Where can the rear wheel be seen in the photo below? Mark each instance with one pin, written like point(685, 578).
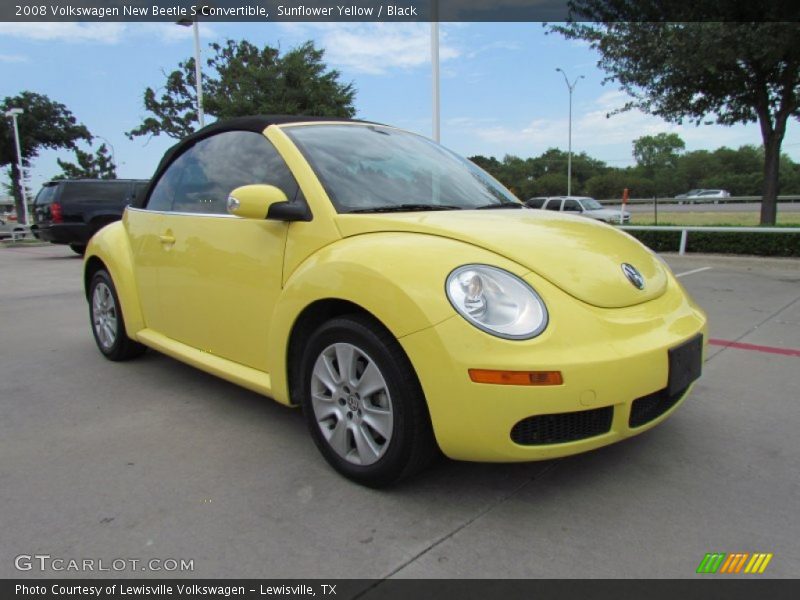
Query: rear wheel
point(78, 249)
point(363, 403)
point(108, 325)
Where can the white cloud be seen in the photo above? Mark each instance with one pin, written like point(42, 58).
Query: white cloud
point(100, 33)
point(465, 122)
point(374, 48)
point(170, 32)
point(593, 131)
point(106, 33)
point(13, 58)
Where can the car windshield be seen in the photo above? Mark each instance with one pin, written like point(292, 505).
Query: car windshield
point(366, 168)
point(591, 204)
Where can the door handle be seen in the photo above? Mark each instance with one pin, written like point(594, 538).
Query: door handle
point(167, 239)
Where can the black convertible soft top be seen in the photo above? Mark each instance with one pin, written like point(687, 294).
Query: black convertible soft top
point(256, 123)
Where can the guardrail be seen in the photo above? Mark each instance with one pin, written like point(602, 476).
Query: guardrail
point(670, 200)
point(686, 229)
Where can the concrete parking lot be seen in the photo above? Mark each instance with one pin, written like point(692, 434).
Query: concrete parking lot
point(153, 459)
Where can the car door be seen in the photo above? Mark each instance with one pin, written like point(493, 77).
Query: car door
point(553, 204)
point(571, 205)
point(219, 275)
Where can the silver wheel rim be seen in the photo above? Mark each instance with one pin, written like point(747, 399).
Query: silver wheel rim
point(352, 404)
point(104, 315)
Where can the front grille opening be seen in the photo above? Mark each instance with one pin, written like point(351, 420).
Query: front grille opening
point(562, 427)
point(652, 406)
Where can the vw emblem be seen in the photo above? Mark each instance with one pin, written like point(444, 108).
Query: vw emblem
point(633, 275)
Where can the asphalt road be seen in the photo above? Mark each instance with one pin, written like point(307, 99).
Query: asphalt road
point(153, 459)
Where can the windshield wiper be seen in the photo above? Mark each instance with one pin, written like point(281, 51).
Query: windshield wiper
point(404, 208)
point(501, 205)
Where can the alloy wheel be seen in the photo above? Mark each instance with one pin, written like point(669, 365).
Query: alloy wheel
point(104, 315)
point(352, 404)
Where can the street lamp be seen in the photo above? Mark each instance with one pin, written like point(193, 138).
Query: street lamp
point(198, 75)
point(13, 114)
point(570, 87)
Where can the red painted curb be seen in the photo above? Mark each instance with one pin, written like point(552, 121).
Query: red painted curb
point(755, 348)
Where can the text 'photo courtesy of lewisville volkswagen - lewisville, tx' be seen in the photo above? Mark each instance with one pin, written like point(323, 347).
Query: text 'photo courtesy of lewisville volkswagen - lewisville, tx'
point(437, 298)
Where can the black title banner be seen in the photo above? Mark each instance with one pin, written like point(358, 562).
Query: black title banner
point(709, 588)
point(397, 10)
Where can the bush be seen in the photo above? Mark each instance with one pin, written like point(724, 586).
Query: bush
point(757, 244)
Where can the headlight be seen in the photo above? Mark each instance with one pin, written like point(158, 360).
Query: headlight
point(497, 302)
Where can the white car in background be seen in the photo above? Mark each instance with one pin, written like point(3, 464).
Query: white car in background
point(10, 228)
point(705, 196)
point(582, 205)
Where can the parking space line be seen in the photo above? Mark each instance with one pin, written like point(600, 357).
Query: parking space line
point(693, 271)
point(754, 347)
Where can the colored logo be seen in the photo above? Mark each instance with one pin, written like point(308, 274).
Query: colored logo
point(735, 562)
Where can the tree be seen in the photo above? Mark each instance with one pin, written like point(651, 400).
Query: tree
point(551, 184)
point(43, 124)
point(89, 166)
point(677, 63)
point(611, 185)
point(247, 80)
point(658, 151)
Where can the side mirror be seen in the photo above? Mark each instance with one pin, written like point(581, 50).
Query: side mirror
point(261, 201)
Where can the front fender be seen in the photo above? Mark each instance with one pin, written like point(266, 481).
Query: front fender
point(111, 246)
point(399, 278)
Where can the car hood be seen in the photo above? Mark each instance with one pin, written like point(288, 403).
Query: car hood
point(581, 256)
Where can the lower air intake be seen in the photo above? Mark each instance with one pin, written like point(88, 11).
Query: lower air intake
point(562, 427)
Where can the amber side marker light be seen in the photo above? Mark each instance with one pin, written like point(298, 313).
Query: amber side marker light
point(516, 377)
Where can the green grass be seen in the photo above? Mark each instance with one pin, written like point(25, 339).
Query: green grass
point(741, 219)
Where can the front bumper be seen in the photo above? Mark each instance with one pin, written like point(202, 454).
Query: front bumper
point(609, 358)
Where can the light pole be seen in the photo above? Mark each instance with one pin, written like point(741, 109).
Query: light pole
point(13, 114)
point(570, 87)
point(198, 74)
point(435, 78)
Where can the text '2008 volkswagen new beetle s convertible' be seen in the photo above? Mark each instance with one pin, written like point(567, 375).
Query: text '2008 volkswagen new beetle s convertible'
point(398, 293)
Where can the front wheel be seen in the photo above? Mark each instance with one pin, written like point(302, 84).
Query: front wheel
point(363, 403)
point(79, 249)
point(108, 325)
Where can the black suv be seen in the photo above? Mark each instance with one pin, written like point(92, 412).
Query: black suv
point(71, 211)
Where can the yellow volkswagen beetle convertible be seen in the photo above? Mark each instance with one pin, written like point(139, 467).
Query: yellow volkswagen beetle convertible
point(398, 293)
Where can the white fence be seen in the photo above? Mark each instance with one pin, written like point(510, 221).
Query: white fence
point(686, 229)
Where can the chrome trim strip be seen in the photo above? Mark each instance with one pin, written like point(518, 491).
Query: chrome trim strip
point(183, 214)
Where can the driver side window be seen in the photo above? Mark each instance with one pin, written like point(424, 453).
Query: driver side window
point(201, 178)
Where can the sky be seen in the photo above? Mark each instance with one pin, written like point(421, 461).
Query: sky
point(500, 92)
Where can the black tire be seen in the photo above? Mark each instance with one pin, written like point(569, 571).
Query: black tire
point(79, 249)
point(121, 347)
point(411, 445)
